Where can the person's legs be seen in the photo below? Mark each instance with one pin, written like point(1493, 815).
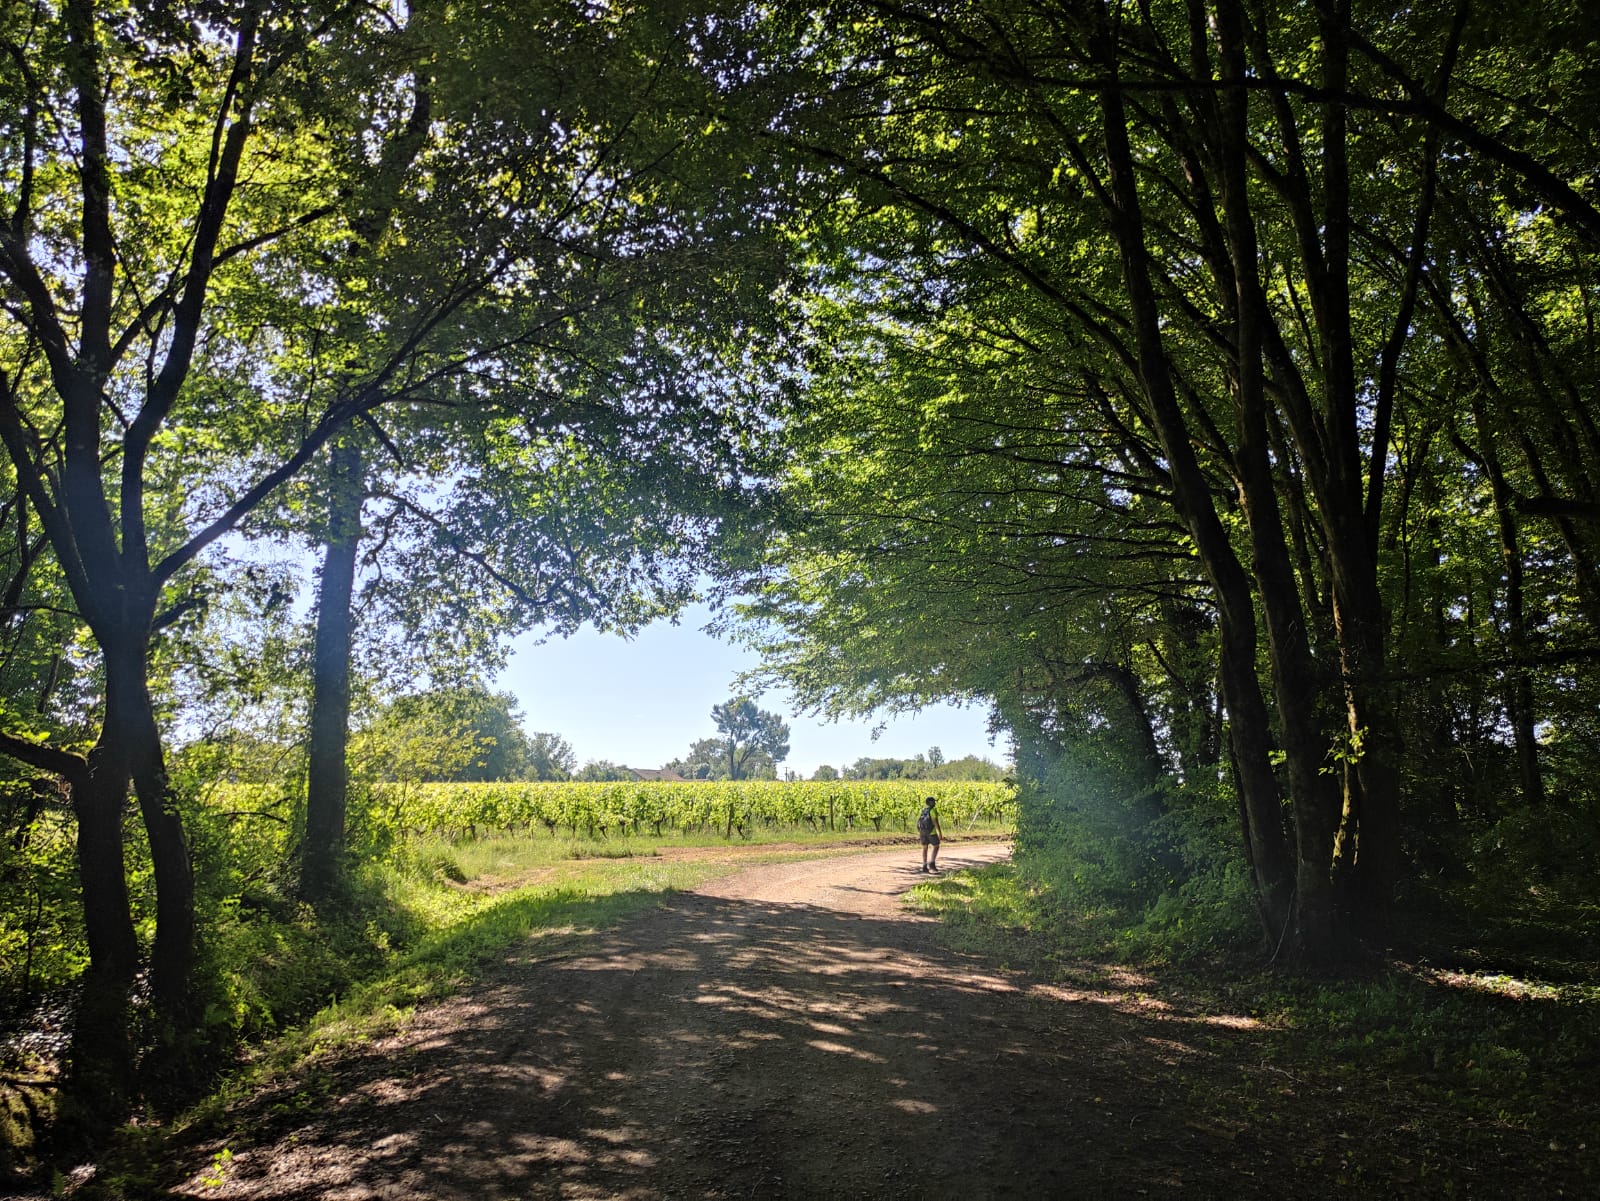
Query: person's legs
point(924, 855)
point(933, 859)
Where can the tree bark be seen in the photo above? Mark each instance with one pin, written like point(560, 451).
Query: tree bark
point(1295, 677)
point(327, 782)
point(129, 710)
point(98, 802)
point(1519, 687)
point(1248, 723)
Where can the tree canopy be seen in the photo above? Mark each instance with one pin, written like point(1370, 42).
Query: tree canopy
point(234, 240)
point(1193, 391)
point(467, 734)
point(1200, 386)
point(750, 744)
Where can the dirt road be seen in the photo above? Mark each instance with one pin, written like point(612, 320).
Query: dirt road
point(789, 1031)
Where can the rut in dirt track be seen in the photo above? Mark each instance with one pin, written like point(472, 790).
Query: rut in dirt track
point(788, 1031)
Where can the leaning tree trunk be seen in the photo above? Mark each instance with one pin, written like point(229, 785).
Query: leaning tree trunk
point(1248, 725)
point(327, 782)
point(1296, 687)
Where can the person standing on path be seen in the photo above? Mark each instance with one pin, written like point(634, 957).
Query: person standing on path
point(931, 834)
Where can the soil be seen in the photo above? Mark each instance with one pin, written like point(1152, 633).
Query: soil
point(794, 1030)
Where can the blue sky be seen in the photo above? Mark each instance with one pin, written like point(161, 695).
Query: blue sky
point(643, 701)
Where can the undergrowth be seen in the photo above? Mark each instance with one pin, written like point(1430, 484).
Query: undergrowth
point(1487, 1034)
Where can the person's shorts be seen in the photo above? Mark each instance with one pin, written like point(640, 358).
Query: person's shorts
point(930, 840)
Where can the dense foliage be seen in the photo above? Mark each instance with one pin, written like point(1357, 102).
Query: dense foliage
point(467, 733)
point(930, 766)
point(1202, 386)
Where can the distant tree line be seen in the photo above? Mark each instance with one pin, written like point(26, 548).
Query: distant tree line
point(930, 765)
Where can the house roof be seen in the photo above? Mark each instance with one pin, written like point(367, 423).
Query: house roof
point(654, 773)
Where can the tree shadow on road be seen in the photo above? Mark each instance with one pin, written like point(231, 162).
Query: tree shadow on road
point(727, 1048)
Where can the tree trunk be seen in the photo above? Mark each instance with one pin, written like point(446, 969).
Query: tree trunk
point(99, 1063)
point(98, 803)
point(1519, 687)
point(130, 717)
point(327, 780)
point(129, 750)
point(1196, 728)
point(100, 1059)
point(1295, 678)
point(1248, 725)
point(1360, 626)
point(1125, 683)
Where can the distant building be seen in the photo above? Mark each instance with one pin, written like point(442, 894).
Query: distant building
point(656, 773)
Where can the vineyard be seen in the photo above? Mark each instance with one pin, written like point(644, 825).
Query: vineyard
point(656, 808)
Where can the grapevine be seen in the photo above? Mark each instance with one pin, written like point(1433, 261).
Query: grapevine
point(655, 808)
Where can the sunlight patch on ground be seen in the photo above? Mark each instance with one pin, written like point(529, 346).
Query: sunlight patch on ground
point(830, 1028)
point(1495, 985)
point(1228, 1021)
point(1175, 1049)
point(1143, 1005)
point(547, 1149)
point(833, 1048)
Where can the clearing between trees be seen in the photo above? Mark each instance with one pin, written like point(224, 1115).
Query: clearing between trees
point(794, 1029)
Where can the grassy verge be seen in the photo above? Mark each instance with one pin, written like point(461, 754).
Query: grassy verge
point(465, 903)
point(1491, 1058)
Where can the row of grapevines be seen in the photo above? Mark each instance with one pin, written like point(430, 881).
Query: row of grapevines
point(654, 807)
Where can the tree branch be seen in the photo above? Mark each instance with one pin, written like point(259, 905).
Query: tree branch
point(223, 174)
point(71, 767)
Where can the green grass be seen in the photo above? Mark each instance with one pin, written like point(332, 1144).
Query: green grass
point(508, 857)
point(998, 912)
point(984, 911)
point(462, 927)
